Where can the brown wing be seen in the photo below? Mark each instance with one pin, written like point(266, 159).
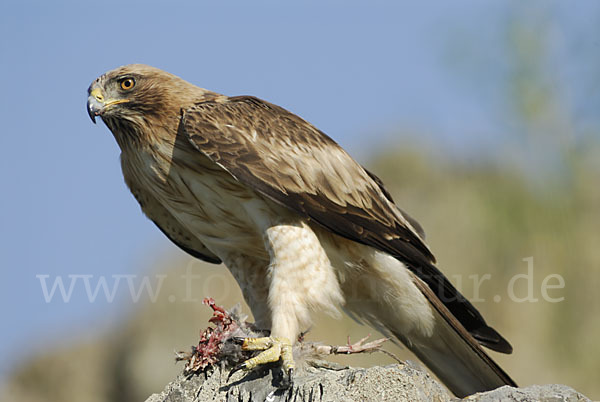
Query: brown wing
point(287, 159)
point(416, 225)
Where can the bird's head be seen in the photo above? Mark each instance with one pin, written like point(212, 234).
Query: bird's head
point(134, 91)
point(136, 100)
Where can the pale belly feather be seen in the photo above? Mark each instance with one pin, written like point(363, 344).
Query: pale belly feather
point(208, 201)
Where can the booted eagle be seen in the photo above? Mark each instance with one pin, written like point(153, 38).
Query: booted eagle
point(299, 223)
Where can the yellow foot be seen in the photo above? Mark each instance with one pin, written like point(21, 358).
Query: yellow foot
point(273, 350)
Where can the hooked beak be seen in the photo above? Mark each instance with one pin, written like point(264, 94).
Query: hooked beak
point(96, 104)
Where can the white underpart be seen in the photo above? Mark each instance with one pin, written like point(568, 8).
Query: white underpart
point(379, 289)
point(301, 279)
point(412, 312)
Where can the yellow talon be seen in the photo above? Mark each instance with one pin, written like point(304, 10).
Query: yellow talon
point(257, 343)
point(273, 350)
point(287, 358)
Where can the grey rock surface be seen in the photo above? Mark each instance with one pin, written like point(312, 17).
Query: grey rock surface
point(390, 383)
point(534, 393)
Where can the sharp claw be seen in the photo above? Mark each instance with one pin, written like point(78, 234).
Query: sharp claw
point(238, 340)
point(286, 382)
point(237, 368)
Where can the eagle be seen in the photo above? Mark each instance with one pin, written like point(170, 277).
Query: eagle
point(300, 225)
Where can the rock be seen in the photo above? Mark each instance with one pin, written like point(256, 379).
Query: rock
point(390, 383)
point(534, 393)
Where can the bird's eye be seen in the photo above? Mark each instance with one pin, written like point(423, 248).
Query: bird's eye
point(127, 84)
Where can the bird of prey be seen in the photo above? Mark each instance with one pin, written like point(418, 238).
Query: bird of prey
point(299, 223)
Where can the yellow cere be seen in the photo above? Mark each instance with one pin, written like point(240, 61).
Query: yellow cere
point(97, 93)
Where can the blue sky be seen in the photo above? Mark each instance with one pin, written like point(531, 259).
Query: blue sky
point(356, 70)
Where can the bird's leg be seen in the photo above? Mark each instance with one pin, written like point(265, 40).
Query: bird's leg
point(300, 278)
point(298, 269)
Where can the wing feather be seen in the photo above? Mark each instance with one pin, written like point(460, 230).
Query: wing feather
point(290, 161)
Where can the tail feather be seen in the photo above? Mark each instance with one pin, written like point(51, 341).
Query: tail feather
point(490, 338)
point(393, 299)
point(454, 355)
